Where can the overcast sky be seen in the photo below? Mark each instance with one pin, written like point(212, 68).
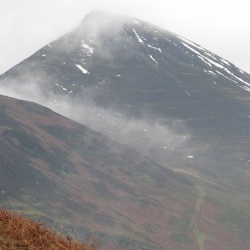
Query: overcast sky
point(221, 26)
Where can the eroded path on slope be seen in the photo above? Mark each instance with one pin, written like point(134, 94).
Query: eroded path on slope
point(200, 236)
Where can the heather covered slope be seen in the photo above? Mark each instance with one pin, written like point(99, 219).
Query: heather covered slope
point(18, 232)
point(80, 181)
point(79, 178)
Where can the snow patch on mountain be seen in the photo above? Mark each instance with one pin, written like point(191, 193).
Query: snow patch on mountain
point(209, 72)
point(139, 39)
point(191, 43)
point(209, 64)
point(153, 47)
point(238, 78)
point(153, 59)
point(136, 22)
point(64, 78)
point(211, 61)
point(245, 88)
point(190, 48)
point(84, 71)
point(225, 76)
point(204, 58)
point(87, 48)
point(226, 62)
point(215, 63)
point(209, 54)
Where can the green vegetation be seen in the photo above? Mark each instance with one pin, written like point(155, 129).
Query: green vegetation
point(200, 236)
point(187, 222)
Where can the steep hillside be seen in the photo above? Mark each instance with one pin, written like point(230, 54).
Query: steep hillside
point(82, 183)
point(18, 232)
point(71, 175)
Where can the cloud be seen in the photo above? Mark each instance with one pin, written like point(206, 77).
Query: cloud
point(157, 139)
point(28, 25)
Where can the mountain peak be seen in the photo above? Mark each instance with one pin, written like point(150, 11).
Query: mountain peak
point(98, 21)
point(96, 15)
point(102, 17)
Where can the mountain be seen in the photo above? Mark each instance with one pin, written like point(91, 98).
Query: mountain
point(163, 95)
point(81, 182)
point(66, 173)
point(112, 71)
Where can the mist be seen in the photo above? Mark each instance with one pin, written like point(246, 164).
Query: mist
point(156, 139)
point(26, 26)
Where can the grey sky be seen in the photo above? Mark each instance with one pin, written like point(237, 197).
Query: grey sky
point(222, 26)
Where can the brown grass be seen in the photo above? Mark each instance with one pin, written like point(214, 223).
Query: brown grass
point(20, 233)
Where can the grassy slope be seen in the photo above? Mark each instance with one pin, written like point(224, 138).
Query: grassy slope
point(73, 176)
point(18, 232)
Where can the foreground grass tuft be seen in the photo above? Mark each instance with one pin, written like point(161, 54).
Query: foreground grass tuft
point(20, 233)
